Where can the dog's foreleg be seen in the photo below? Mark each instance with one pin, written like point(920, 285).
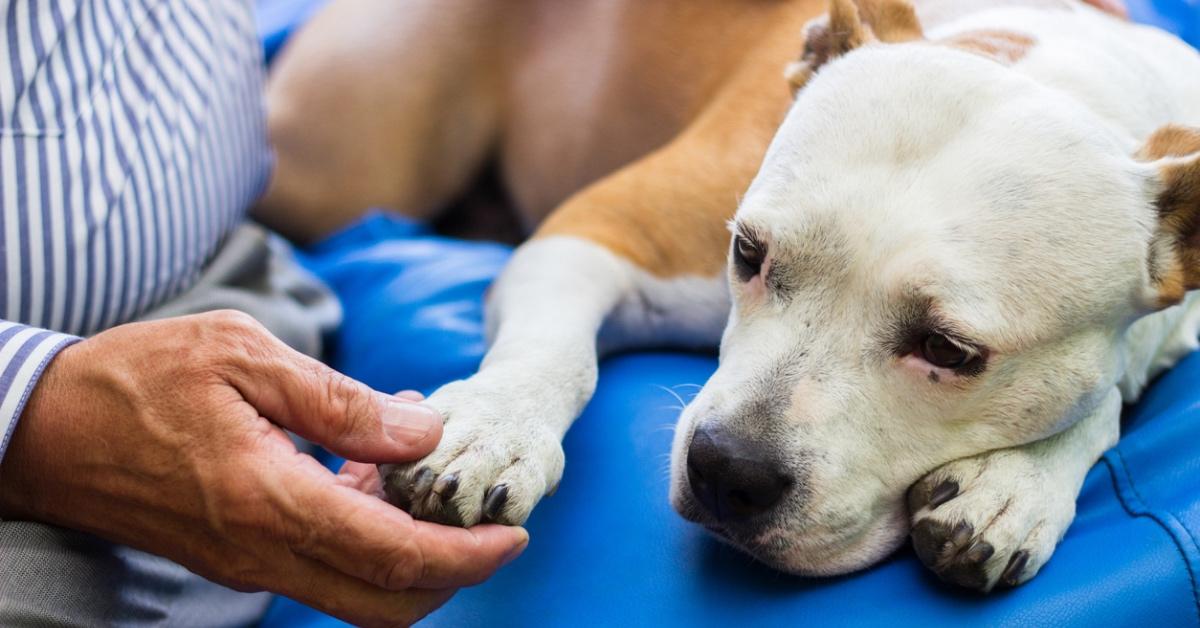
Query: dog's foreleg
point(637, 258)
point(501, 452)
point(995, 519)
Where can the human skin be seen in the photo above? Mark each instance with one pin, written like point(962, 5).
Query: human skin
point(168, 436)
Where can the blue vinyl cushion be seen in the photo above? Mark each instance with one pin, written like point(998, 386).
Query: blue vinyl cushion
point(608, 550)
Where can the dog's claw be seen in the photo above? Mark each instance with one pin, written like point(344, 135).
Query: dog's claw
point(494, 501)
point(979, 553)
point(944, 492)
point(1016, 566)
point(446, 486)
point(422, 483)
point(949, 552)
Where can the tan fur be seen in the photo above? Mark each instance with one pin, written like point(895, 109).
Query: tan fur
point(667, 211)
point(1172, 140)
point(1178, 206)
point(1004, 46)
point(400, 105)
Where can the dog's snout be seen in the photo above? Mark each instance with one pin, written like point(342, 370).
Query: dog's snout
point(729, 478)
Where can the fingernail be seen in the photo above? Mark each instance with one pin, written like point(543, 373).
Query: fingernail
point(518, 549)
point(410, 395)
point(409, 423)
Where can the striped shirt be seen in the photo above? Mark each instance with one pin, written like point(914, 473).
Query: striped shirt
point(132, 139)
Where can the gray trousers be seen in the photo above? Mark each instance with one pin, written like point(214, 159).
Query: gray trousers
point(50, 576)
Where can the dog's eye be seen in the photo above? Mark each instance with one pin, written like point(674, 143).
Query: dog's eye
point(942, 352)
point(747, 257)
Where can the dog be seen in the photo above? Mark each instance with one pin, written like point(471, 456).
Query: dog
point(966, 243)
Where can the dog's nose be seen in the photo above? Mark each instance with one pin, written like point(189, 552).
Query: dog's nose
point(729, 478)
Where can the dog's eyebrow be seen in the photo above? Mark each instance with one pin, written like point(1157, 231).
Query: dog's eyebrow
point(911, 316)
point(918, 313)
point(750, 232)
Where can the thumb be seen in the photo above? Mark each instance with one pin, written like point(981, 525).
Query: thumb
point(345, 416)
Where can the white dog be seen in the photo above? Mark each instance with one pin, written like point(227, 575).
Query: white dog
point(967, 246)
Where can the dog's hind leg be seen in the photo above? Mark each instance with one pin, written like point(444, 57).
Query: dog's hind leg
point(637, 258)
point(382, 104)
point(995, 519)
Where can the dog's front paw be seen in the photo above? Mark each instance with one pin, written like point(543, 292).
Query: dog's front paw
point(493, 464)
point(989, 520)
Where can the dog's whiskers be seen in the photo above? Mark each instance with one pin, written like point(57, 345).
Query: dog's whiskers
point(675, 395)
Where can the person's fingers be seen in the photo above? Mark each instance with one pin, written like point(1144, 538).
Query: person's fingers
point(446, 564)
point(368, 538)
point(328, 408)
point(362, 477)
point(313, 583)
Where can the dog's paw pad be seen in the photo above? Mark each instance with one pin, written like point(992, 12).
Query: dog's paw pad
point(988, 521)
point(491, 465)
point(953, 552)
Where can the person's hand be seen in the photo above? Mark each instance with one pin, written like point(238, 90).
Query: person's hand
point(165, 436)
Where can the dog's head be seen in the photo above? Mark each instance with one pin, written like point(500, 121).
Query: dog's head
point(939, 257)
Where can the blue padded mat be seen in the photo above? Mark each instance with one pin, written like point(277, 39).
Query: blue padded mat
point(277, 19)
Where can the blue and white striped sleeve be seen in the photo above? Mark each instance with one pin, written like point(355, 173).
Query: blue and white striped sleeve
point(24, 353)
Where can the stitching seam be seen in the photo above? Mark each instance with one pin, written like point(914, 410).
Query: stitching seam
point(1140, 509)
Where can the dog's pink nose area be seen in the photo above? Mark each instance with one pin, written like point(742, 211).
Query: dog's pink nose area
point(729, 478)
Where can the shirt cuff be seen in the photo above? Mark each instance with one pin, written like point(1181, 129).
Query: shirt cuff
point(24, 354)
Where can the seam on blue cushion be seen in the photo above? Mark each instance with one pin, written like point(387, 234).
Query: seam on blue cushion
point(1131, 500)
point(1165, 512)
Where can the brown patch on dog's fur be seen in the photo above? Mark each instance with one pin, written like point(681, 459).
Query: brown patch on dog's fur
point(1178, 205)
point(1007, 47)
point(1172, 140)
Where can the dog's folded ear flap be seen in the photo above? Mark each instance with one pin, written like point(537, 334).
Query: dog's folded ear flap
point(850, 24)
point(1174, 151)
point(891, 21)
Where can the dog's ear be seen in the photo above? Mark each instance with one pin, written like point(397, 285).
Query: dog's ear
point(850, 24)
point(1174, 152)
point(891, 21)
